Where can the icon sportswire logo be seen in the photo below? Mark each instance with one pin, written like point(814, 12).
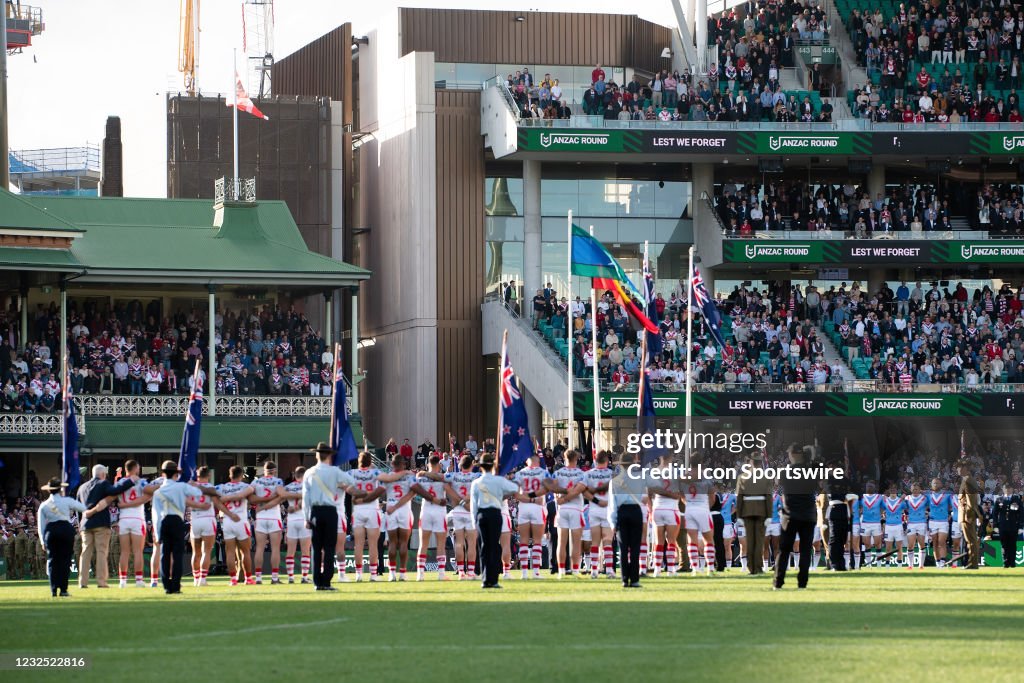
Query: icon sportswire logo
point(777, 142)
point(587, 140)
point(753, 251)
point(1012, 142)
point(870, 405)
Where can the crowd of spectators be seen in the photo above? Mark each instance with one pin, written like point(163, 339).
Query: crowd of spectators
point(848, 209)
point(977, 47)
point(135, 350)
point(994, 462)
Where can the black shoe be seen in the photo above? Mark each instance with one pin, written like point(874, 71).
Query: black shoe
point(65, 594)
point(493, 585)
point(328, 588)
point(103, 586)
point(54, 593)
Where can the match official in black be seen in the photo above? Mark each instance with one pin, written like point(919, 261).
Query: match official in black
point(1008, 516)
point(485, 498)
point(799, 515)
point(839, 495)
point(626, 514)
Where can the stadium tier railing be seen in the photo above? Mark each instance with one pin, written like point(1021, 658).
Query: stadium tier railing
point(837, 233)
point(841, 125)
point(846, 386)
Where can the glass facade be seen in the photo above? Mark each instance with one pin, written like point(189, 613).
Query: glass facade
point(574, 80)
point(624, 213)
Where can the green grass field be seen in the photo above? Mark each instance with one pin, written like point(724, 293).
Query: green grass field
point(868, 625)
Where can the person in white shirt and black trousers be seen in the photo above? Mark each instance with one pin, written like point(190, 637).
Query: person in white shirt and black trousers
point(57, 535)
point(485, 498)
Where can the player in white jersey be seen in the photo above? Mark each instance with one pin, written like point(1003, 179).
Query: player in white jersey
point(296, 533)
point(534, 484)
point(267, 503)
point(601, 530)
point(666, 519)
point(367, 519)
point(401, 486)
point(235, 525)
point(202, 528)
point(131, 526)
point(463, 525)
point(433, 518)
point(699, 526)
point(570, 484)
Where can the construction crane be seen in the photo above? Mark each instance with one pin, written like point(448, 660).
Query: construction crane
point(23, 22)
point(188, 42)
point(258, 44)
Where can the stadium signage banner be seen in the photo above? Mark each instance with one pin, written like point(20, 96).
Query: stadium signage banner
point(871, 251)
point(803, 143)
point(810, 404)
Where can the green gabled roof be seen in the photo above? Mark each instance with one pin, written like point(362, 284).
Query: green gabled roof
point(31, 258)
point(130, 235)
point(18, 213)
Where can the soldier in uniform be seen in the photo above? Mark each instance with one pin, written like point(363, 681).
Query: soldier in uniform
point(1008, 515)
point(970, 511)
point(22, 553)
point(839, 497)
point(38, 556)
point(753, 506)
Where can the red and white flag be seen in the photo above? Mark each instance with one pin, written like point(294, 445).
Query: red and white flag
point(244, 102)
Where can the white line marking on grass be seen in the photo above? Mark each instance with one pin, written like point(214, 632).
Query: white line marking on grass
point(254, 629)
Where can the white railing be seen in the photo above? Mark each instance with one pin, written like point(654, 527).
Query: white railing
point(227, 406)
point(18, 423)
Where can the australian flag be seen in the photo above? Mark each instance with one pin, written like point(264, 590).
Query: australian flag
point(190, 437)
point(71, 475)
point(702, 301)
point(342, 440)
point(516, 444)
point(653, 338)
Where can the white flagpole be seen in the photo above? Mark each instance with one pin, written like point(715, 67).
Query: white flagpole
point(689, 354)
point(597, 383)
point(234, 99)
point(571, 339)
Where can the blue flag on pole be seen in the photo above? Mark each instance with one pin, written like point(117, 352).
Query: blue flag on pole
point(516, 444)
point(702, 301)
point(342, 440)
point(69, 453)
point(646, 420)
point(653, 338)
point(190, 437)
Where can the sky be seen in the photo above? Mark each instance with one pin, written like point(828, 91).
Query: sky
point(120, 57)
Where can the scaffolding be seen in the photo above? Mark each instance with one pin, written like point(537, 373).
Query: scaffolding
point(23, 22)
point(57, 171)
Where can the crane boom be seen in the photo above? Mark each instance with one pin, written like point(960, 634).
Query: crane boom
point(188, 43)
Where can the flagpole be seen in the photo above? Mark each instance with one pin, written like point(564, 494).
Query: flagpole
point(334, 388)
point(234, 99)
point(689, 353)
point(597, 384)
point(571, 337)
point(64, 422)
point(501, 409)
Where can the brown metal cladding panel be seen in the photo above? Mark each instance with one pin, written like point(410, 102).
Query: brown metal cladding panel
point(557, 38)
point(460, 263)
point(316, 69)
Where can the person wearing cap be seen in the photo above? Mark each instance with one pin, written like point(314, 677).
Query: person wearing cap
point(57, 535)
point(970, 510)
point(798, 516)
point(626, 514)
point(753, 506)
point(485, 496)
point(321, 483)
point(96, 530)
point(169, 503)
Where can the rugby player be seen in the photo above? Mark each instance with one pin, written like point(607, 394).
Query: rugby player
point(234, 524)
point(367, 520)
point(296, 533)
point(267, 503)
point(433, 518)
point(535, 483)
point(870, 509)
point(728, 509)
point(939, 505)
point(601, 531)
point(699, 526)
point(772, 532)
point(202, 528)
point(401, 487)
point(569, 520)
point(917, 525)
point(893, 507)
point(131, 526)
point(463, 525)
point(666, 519)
